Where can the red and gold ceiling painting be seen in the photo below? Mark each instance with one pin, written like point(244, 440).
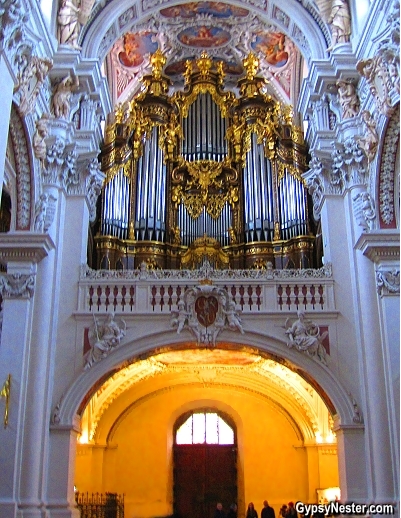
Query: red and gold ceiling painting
point(204, 37)
point(215, 9)
point(272, 46)
point(135, 48)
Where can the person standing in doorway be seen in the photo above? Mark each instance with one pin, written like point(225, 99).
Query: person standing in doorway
point(219, 513)
point(232, 513)
point(267, 511)
point(251, 511)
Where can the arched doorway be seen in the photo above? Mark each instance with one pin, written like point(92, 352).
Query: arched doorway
point(279, 419)
point(205, 463)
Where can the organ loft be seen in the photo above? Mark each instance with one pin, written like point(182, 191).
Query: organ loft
point(205, 172)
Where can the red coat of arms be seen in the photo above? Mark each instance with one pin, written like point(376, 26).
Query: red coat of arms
point(206, 310)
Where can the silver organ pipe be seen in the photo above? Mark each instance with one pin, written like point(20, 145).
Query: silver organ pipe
point(115, 217)
point(150, 208)
point(293, 214)
point(204, 131)
point(192, 229)
point(258, 194)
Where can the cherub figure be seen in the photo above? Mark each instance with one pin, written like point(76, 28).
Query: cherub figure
point(233, 319)
point(180, 317)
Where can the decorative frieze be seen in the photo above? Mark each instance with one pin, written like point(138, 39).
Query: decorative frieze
point(388, 282)
point(17, 285)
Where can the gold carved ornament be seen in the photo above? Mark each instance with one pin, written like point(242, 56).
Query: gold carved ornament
point(205, 187)
point(205, 247)
point(169, 137)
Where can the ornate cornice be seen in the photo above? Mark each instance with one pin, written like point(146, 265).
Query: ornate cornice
point(24, 247)
point(381, 246)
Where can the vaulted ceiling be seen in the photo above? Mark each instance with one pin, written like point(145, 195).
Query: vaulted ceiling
point(283, 36)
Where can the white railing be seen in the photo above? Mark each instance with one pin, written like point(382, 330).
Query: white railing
point(158, 291)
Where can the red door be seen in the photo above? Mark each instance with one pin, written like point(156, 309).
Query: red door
point(204, 474)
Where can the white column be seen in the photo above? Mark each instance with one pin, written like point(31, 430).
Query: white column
point(21, 252)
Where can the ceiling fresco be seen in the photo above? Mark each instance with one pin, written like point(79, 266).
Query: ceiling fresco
point(228, 33)
point(214, 9)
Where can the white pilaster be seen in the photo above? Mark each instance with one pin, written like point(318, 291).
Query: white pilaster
point(21, 252)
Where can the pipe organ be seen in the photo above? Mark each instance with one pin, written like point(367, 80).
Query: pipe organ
point(203, 172)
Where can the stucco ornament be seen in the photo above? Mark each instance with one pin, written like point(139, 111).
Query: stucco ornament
point(388, 281)
point(104, 337)
point(340, 23)
point(348, 98)
point(305, 336)
point(31, 79)
point(364, 210)
point(38, 139)
point(62, 96)
point(44, 212)
point(205, 311)
point(369, 142)
point(377, 76)
point(17, 285)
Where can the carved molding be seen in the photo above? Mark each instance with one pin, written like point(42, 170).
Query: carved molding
point(387, 170)
point(207, 272)
point(381, 246)
point(17, 285)
point(25, 247)
point(23, 171)
point(388, 282)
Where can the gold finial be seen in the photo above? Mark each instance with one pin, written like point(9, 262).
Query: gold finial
point(157, 60)
point(204, 63)
point(251, 65)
